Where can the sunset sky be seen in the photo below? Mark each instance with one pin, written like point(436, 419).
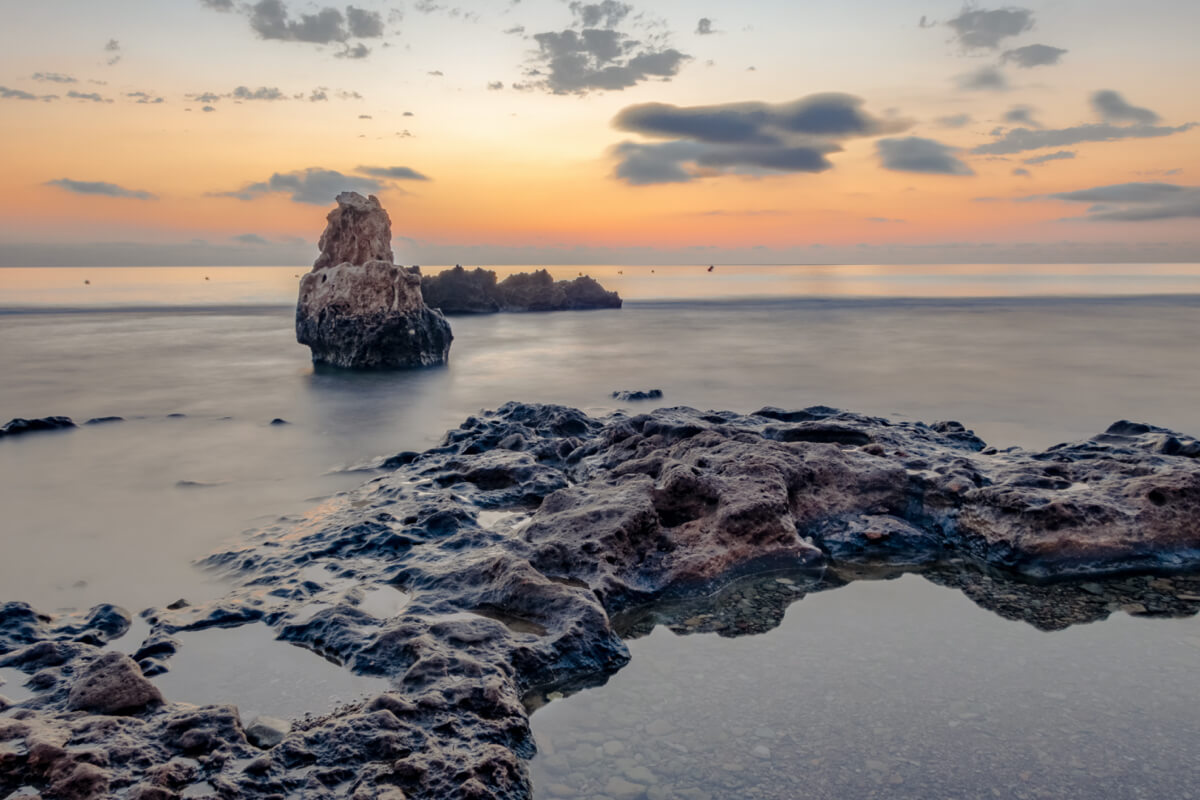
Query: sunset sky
point(201, 132)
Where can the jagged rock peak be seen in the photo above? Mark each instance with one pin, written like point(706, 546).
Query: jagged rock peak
point(359, 231)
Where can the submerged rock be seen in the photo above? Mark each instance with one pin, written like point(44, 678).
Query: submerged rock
point(477, 291)
point(358, 310)
point(18, 426)
point(534, 539)
point(626, 396)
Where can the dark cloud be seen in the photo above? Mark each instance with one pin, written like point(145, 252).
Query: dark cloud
point(314, 186)
point(53, 77)
point(144, 98)
point(91, 97)
point(914, 154)
point(354, 51)
point(393, 173)
point(746, 138)
point(1061, 155)
point(1034, 55)
point(19, 94)
point(705, 27)
point(1020, 140)
point(318, 96)
point(208, 109)
point(594, 56)
point(516, 30)
point(364, 24)
point(218, 5)
point(207, 97)
point(343, 94)
point(983, 79)
point(407, 114)
point(1022, 115)
point(250, 238)
point(954, 121)
point(982, 29)
point(1111, 106)
point(269, 93)
point(1134, 202)
point(436, 73)
point(100, 188)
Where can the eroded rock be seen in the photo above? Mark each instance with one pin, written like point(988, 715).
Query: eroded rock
point(358, 310)
point(477, 291)
point(112, 684)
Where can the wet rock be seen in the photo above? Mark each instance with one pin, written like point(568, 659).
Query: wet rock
point(19, 426)
point(358, 310)
point(280, 421)
point(459, 291)
point(112, 684)
point(103, 420)
point(626, 395)
point(266, 732)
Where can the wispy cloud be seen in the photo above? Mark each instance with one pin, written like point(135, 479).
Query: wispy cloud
point(101, 188)
point(914, 154)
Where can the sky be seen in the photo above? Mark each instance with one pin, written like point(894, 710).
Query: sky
point(209, 132)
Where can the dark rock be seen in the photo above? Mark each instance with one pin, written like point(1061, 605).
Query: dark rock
point(18, 426)
point(266, 732)
point(103, 420)
point(459, 291)
point(112, 684)
point(627, 396)
point(280, 421)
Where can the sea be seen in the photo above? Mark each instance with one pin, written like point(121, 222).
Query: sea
point(896, 687)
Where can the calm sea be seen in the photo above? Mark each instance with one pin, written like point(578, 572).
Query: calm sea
point(1027, 355)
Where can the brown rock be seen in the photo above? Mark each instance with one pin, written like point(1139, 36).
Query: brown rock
point(113, 684)
point(85, 782)
point(358, 231)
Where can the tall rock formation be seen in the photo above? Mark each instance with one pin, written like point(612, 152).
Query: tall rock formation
point(359, 310)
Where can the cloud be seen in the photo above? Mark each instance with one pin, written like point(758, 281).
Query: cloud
point(1033, 55)
point(1111, 107)
point(742, 138)
point(269, 93)
point(53, 77)
point(1022, 172)
point(1022, 115)
point(882, 220)
point(393, 173)
point(495, 86)
point(594, 56)
point(981, 29)
point(436, 73)
point(365, 116)
point(113, 47)
point(954, 121)
point(91, 97)
point(516, 30)
point(1134, 202)
point(983, 79)
point(914, 154)
point(100, 188)
point(1061, 155)
point(144, 98)
point(250, 238)
point(1019, 140)
point(314, 186)
point(272, 20)
point(705, 27)
point(19, 94)
point(208, 109)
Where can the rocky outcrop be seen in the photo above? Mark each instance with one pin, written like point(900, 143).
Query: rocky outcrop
point(535, 539)
point(459, 291)
point(358, 231)
point(357, 309)
point(629, 395)
point(19, 426)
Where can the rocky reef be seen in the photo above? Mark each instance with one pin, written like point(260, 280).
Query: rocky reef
point(359, 310)
point(477, 291)
point(534, 539)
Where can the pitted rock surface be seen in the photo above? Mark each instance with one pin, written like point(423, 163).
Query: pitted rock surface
point(534, 539)
point(358, 310)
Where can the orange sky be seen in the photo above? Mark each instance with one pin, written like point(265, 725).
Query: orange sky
point(522, 173)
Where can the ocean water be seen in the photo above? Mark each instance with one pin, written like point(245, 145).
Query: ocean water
point(199, 362)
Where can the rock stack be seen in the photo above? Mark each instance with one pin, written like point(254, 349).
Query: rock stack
point(359, 310)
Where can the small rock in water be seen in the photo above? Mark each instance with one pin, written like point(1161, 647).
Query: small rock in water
point(103, 420)
point(280, 421)
point(626, 395)
point(18, 426)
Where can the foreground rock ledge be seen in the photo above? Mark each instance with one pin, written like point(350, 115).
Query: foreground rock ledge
point(536, 538)
point(358, 310)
